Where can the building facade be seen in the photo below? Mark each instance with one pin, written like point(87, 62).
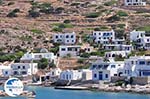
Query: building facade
point(135, 2)
point(66, 38)
point(71, 75)
point(137, 66)
point(72, 50)
point(24, 69)
point(29, 57)
point(103, 37)
point(140, 39)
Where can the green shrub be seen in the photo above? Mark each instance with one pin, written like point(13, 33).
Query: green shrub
point(57, 29)
point(43, 63)
point(122, 13)
point(33, 13)
point(119, 83)
point(93, 15)
point(110, 3)
point(37, 31)
point(85, 55)
point(75, 4)
point(80, 61)
point(66, 21)
point(13, 13)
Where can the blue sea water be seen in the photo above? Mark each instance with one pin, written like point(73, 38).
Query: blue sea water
point(50, 93)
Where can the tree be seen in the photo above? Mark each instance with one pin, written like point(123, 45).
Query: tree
point(33, 13)
point(43, 63)
point(85, 55)
point(52, 65)
point(13, 13)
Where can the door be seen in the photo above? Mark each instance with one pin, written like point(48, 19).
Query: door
point(100, 75)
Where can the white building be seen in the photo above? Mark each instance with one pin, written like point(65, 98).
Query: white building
point(140, 39)
point(105, 70)
point(137, 66)
point(118, 47)
point(86, 74)
point(5, 71)
point(29, 57)
point(55, 72)
point(144, 42)
point(71, 75)
point(103, 36)
point(72, 50)
point(112, 54)
point(99, 71)
point(66, 38)
point(24, 69)
point(135, 2)
point(134, 35)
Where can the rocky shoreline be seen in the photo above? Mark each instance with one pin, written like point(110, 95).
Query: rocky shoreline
point(128, 89)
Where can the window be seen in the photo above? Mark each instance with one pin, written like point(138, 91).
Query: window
point(69, 49)
point(142, 62)
point(23, 67)
point(63, 49)
point(72, 40)
point(56, 36)
point(72, 36)
point(67, 36)
point(104, 34)
point(113, 66)
point(95, 75)
point(106, 76)
point(6, 72)
point(132, 62)
point(76, 49)
point(24, 72)
point(18, 67)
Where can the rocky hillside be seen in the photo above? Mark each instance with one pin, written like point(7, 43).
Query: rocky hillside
point(26, 24)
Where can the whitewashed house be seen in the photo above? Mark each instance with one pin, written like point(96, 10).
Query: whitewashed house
point(137, 66)
point(143, 43)
point(71, 75)
point(134, 35)
point(135, 2)
point(55, 72)
point(105, 70)
point(86, 74)
point(118, 47)
point(103, 37)
point(113, 54)
point(24, 69)
point(140, 39)
point(29, 57)
point(99, 71)
point(71, 50)
point(66, 38)
point(114, 68)
point(5, 71)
